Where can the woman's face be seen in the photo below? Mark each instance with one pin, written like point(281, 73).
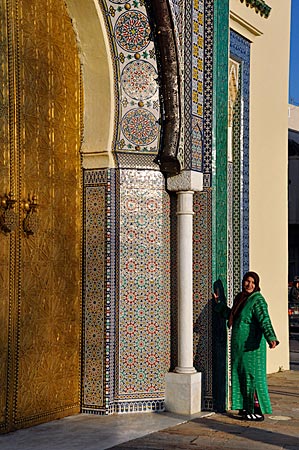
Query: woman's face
point(249, 285)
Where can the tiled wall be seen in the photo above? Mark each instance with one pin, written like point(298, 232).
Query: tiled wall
point(126, 291)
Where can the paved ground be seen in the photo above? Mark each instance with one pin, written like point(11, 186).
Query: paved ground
point(227, 431)
point(165, 431)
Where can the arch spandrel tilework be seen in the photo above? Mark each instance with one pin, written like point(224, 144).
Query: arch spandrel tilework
point(136, 80)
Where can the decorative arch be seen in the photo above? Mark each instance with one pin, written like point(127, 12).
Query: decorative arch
point(98, 80)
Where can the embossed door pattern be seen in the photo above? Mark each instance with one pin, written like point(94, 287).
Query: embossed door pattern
point(40, 181)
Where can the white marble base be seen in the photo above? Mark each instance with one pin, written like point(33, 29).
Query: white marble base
point(183, 393)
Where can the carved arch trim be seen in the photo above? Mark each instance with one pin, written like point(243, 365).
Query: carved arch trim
point(98, 81)
point(166, 46)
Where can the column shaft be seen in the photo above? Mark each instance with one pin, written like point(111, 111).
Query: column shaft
point(185, 282)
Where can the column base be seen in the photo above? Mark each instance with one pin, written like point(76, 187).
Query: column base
point(183, 393)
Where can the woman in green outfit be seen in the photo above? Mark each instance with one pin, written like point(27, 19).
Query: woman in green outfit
point(251, 329)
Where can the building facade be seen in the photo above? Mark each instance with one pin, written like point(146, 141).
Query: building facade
point(143, 160)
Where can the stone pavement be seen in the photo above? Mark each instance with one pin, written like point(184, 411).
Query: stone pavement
point(165, 431)
point(226, 431)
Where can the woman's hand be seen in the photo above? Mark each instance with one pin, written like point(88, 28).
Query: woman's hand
point(216, 296)
point(272, 344)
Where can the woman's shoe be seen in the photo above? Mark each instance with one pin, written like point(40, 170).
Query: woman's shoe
point(252, 417)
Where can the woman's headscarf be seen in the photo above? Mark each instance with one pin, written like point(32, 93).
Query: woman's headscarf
point(256, 278)
point(241, 298)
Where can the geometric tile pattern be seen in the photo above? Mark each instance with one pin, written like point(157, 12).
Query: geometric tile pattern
point(233, 188)
point(94, 299)
point(202, 282)
point(143, 355)
point(220, 120)
point(176, 7)
point(193, 84)
point(139, 127)
point(173, 283)
point(236, 190)
point(178, 17)
point(187, 84)
point(208, 91)
point(197, 58)
point(197, 143)
point(136, 77)
point(232, 245)
point(240, 51)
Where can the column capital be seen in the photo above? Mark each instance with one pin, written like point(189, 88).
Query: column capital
point(187, 180)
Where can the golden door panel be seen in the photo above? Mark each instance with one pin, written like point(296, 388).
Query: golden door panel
point(46, 304)
point(5, 242)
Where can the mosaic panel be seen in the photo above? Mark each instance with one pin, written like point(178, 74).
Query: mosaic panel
point(233, 87)
point(176, 7)
point(111, 258)
point(132, 31)
point(197, 57)
point(233, 180)
point(144, 289)
point(193, 83)
point(220, 120)
point(173, 283)
point(237, 189)
point(136, 77)
point(99, 291)
point(187, 84)
point(139, 127)
point(202, 282)
point(139, 161)
point(208, 91)
point(197, 143)
point(230, 234)
point(219, 192)
point(139, 80)
point(240, 51)
point(94, 290)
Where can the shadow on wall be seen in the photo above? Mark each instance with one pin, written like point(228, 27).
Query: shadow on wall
point(219, 353)
point(218, 348)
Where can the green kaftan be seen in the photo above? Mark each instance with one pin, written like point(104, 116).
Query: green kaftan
point(250, 331)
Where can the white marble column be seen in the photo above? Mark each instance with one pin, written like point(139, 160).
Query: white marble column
point(185, 281)
point(183, 386)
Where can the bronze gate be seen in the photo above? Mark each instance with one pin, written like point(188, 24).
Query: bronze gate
point(40, 213)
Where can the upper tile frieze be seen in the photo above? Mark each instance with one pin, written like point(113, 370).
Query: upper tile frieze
point(260, 7)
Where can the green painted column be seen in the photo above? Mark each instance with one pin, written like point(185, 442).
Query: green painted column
point(219, 194)
point(220, 124)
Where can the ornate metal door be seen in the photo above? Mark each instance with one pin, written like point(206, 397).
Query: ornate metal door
point(40, 214)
